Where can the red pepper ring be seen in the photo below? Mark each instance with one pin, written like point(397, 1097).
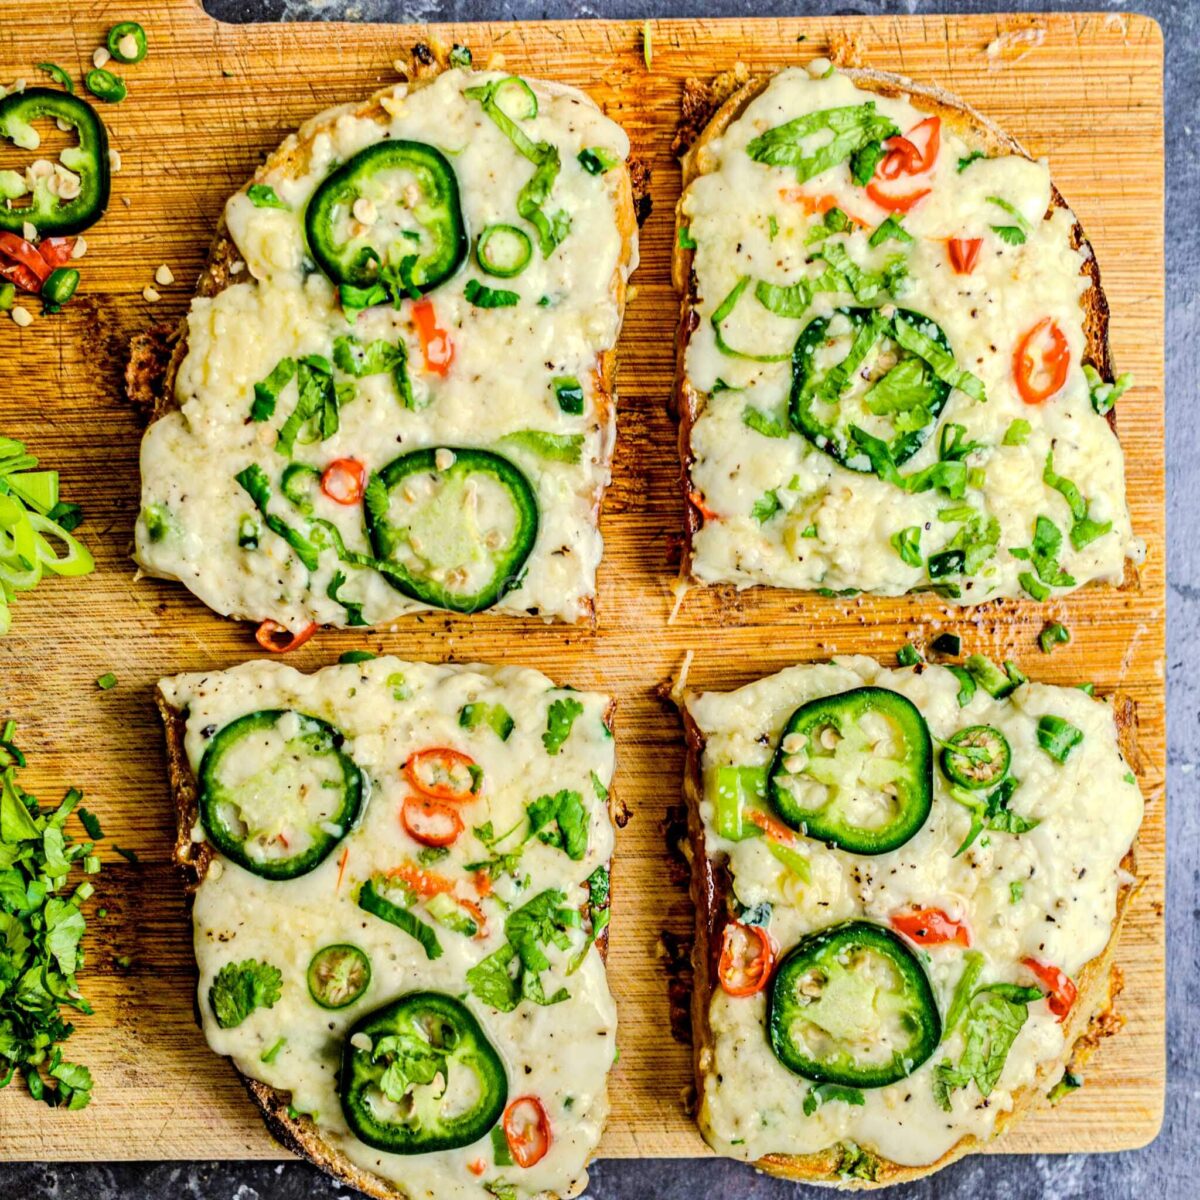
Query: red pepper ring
point(344, 480)
point(902, 158)
point(527, 1130)
point(1056, 359)
point(444, 766)
point(430, 822)
point(931, 927)
point(279, 639)
point(1061, 988)
point(747, 958)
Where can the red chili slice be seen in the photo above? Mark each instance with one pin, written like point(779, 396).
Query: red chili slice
point(279, 639)
point(442, 773)
point(431, 822)
point(931, 927)
point(747, 957)
point(1055, 359)
point(56, 251)
point(1057, 982)
point(436, 346)
point(697, 499)
point(964, 254)
point(895, 203)
point(25, 253)
point(527, 1130)
point(344, 480)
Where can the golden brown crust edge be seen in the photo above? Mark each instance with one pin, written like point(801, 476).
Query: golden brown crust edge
point(296, 1133)
point(151, 372)
point(1092, 1017)
point(709, 108)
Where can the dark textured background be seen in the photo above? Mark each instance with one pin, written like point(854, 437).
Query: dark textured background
point(1165, 1170)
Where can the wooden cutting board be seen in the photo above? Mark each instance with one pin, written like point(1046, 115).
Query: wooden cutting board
point(202, 110)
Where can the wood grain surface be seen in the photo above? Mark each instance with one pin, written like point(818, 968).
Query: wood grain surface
point(203, 108)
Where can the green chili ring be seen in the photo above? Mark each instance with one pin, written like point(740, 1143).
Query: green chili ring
point(220, 812)
point(61, 285)
point(338, 975)
point(503, 251)
point(507, 561)
point(118, 33)
point(809, 388)
point(821, 979)
point(906, 778)
point(438, 1035)
point(46, 213)
point(106, 86)
point(977, 757)
point(355, 263)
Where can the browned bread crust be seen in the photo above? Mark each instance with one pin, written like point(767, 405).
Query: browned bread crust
point(295, 1132)
point(151, 372)
point(1092, 1017)
point(710, 107)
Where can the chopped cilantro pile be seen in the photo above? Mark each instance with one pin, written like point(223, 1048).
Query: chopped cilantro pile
point(41, 929)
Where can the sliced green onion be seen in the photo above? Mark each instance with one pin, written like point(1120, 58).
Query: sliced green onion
point(503, 251)
point(568, 391)
point(1058, 737)
point(460, 56)
point(595, 160)
point(1054, 634)
point(263, 195)
point(107, 682)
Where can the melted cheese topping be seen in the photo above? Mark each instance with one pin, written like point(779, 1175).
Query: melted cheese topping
point(500, 382)
point(1088, 810)
point(388, 709)
point(831, 527)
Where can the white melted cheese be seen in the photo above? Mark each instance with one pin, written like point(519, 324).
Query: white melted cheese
point(500, 381)
point(561, 1053)
point(1068, 868)
point(731, 210)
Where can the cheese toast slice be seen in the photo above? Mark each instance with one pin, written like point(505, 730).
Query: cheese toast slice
point(399, 889)
point(893, 367)
point(908, 892)
point(395, 388)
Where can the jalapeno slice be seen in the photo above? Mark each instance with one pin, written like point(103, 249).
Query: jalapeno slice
point(338, 975)
point(126, 42)
point(873, 384)
point(854, 770)
point(89, 160)
point(277, 792)
point(420, 1075)
point(977, 757)
point(503, 250)
point(391, 213)
point(452, 527)
point(852, 1005)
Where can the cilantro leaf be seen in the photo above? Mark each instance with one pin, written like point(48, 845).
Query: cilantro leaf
point(825, 1093)
point(240, 988)
point(559, 721)
point(567, 819)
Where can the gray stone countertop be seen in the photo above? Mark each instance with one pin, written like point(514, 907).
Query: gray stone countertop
point(1164, 1170)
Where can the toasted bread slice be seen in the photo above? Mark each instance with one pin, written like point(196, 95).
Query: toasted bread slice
point(197, 858)
point(846, 1163)
point(710, 109)
point(158, 357)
